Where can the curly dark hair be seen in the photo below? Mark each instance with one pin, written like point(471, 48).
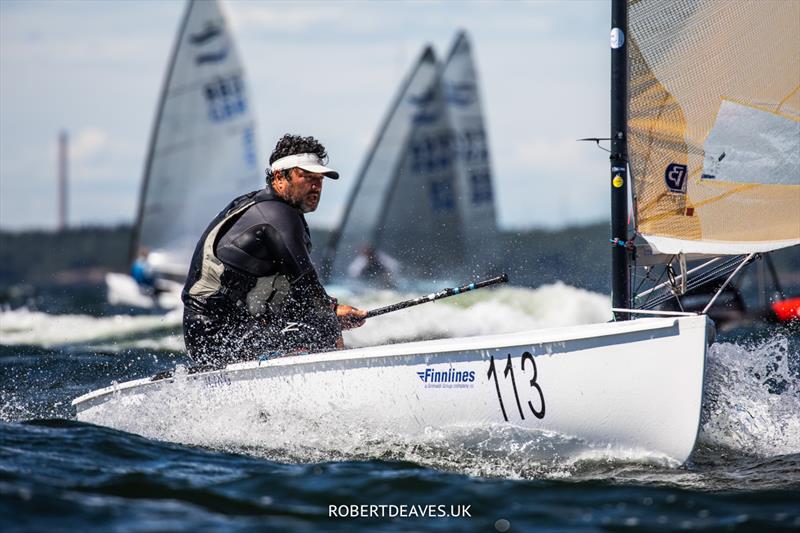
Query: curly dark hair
point(295, 144)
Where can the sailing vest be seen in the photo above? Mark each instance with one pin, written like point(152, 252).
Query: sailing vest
point(211, 288)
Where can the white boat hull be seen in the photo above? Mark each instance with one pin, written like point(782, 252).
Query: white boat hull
point(123, 290)
point(634, 385)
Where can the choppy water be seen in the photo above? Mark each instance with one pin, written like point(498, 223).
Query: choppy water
point(57, 474)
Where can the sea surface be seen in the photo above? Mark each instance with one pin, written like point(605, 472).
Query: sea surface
point(58, 474)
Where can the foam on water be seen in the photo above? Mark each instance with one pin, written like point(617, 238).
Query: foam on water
point(34, 328)
point(752, 402)
point(504, 310)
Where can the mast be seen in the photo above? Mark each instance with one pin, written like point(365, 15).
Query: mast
point(620, 257)
point(62, 180)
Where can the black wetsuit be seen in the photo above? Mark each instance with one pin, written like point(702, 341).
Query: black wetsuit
point(252, 288)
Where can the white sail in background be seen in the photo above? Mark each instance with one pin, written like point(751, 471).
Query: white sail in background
point(425, 195)
point(420, 221)
point(391, 175)
point(203, 147)
point(472, 163)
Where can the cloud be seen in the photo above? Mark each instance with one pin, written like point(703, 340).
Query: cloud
point(88, 143)
point(388, 21)
point(279, 18)
point(85, 33)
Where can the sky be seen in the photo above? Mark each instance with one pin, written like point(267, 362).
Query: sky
point(328, 69)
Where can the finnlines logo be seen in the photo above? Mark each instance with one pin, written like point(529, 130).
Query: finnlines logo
point(450, 378)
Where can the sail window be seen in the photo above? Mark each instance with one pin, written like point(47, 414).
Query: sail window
point(481, 186)
point(442, 195)
point(751, 145)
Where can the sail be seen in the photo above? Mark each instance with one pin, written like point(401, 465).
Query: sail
point(472, 164)
point(714, 124)
point(425, 195)
point(420, 219)
point(203, 145)
point(404, 201)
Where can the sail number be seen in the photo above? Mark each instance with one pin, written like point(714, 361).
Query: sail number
point(532, 391)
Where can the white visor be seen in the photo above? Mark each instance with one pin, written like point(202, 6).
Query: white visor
point(309, 162)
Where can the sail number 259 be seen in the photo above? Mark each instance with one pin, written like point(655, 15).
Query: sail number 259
point(532, 391)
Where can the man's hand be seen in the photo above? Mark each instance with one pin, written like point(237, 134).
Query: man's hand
point(350, 317)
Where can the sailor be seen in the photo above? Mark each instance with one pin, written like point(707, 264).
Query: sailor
point(375, 266)
point(142, 272)
point(252, 289)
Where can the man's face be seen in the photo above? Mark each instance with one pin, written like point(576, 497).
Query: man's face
point(300, 188)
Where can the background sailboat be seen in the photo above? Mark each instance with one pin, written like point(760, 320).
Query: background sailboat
point(202, 152)
point(424, 195)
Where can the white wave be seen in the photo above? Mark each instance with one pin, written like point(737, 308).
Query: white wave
point(25, 327)
point(752, 402)
point(504, 310)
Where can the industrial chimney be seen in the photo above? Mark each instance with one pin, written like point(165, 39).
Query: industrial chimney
point(62, 180)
